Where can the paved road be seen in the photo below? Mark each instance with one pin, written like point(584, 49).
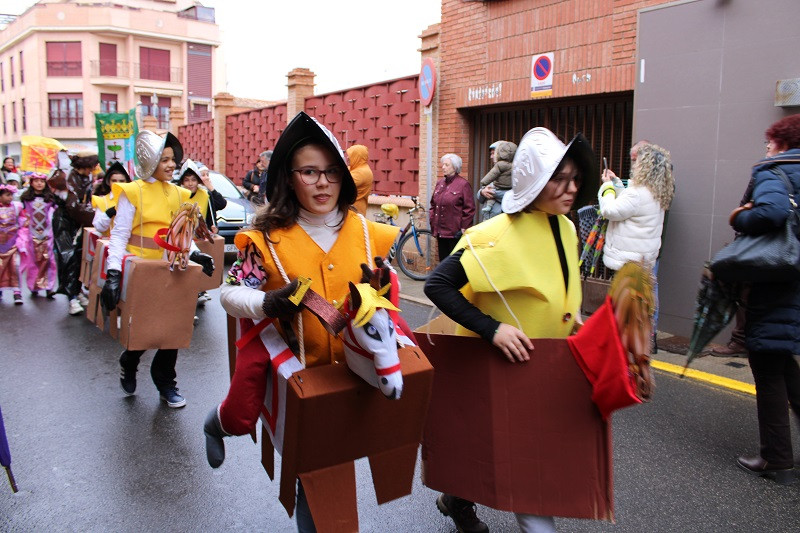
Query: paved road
point(88, 459)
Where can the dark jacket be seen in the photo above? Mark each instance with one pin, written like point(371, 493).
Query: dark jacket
point(773, 309)
point(216, 202)
point(254, 177)
point(452, 207)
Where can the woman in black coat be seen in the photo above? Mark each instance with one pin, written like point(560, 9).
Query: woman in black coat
point(772, 330)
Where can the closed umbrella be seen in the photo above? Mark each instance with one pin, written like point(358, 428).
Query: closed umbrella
point(5, 454)
point(717, 302)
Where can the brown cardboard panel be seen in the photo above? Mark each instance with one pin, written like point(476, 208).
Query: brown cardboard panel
point(217, 252)
point(333, 417)
point(157, 307)
point(90, 237)
point(522, 437)
point(338, 480)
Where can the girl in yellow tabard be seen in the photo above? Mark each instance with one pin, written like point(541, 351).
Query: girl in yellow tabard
point(308, 229)
point(143, 207)
point(104, 202)
point(515, 276)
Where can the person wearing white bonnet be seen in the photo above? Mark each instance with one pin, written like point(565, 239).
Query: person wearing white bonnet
point(209, 200)
point(515, 276)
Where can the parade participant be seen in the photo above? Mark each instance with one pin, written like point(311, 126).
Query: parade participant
point(520, 267)
point(307, 229)
point(10, 215)
point(103, 200)
point(75, 213)
point(35, 240)
point(208, 199)
point(143, 207)
point(358, 156)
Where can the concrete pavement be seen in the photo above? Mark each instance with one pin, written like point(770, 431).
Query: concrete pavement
point(728, 372)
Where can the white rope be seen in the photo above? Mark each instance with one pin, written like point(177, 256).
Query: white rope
point(485, 273)
point(300, 341)
point(366, 241)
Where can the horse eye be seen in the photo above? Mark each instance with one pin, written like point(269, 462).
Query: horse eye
point(372, 331)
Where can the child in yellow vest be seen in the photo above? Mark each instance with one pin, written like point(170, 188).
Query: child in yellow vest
point(103, 200)
point(143, 207)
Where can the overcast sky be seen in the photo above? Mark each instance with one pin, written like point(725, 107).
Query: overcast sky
point(346, 43)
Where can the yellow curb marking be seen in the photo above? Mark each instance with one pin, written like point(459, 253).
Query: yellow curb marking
point(699, 375)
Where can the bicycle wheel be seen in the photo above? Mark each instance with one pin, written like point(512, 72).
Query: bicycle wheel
point(417, 258)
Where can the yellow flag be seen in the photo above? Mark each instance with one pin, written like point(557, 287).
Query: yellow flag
point(39, 154)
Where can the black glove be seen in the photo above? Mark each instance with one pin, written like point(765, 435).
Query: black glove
point(205, 261)
point(111, 212)
point(277, 304)
point(109, 296)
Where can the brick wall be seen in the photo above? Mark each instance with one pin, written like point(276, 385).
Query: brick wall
point(490, 45)
point(198, 141)
point(249, 133)
point(384, 117)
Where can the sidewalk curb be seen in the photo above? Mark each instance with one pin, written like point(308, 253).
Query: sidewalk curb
point(705, 377)
point(421, 301)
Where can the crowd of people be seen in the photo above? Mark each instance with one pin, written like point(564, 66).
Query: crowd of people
point(512, 278)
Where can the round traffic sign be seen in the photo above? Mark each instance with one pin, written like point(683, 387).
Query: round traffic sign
point(542, 67)
point(427, 81)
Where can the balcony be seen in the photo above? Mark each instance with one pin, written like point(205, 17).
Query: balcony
point(110, 68)
point(64, 69)
point(157, 73)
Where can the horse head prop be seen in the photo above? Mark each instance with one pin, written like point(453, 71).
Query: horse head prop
point(370, 338)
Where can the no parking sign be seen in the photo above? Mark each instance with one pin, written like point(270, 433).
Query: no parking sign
point(427, 81)
point(542, 75)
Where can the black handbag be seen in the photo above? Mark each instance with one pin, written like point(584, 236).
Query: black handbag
point(771, 257)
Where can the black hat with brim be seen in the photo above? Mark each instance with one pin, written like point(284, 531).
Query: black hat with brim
point(303, 128)
point(580, 151)
point(177, 150)
point(117, 168)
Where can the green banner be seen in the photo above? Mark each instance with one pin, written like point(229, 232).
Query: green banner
point(116, 135)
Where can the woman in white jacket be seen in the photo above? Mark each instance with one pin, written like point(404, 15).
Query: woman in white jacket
point(636, 213)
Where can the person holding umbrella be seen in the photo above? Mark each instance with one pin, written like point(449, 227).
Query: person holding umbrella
point(772, 323)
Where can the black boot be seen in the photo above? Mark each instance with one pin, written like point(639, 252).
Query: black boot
point(215, 448)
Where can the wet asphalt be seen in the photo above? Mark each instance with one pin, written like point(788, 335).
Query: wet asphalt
point(87, 458)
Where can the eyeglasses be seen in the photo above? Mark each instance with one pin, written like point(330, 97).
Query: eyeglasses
point(310, 176)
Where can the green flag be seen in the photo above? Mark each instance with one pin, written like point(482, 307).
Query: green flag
point(116, 135)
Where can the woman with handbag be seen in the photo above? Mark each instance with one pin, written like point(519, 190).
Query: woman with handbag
point(772, 326)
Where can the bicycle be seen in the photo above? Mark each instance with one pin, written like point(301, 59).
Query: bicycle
point(414, 248)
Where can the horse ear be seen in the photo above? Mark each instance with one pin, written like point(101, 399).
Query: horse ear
point(386, 276)
point(375, 280)
point(366, 273)
point(355, 297)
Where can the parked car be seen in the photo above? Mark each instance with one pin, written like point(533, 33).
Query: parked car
point(237, 214)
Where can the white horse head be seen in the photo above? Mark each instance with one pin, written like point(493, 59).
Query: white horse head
point(370, 339)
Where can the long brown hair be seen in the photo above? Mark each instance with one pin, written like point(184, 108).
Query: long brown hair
point(284, 207)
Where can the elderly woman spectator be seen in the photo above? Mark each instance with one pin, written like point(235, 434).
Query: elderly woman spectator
point(772, 321)
point(9, 167)
point(452, 206)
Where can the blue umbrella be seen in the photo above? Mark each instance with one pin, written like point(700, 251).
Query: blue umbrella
point(5, 454)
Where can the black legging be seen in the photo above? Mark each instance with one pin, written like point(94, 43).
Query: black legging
point(162, 369)
point(777, 378)
point(445, 246)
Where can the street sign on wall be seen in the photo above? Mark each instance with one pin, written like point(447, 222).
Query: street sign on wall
point(427, 82)
point(542, 75)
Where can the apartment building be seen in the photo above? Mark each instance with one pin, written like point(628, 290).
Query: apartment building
point(61, 62)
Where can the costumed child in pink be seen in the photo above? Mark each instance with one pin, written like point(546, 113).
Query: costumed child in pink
point(35, 239)
point(10, 218)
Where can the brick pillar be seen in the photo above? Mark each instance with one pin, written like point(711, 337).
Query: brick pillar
point(177, 118)
point(301, 86)
point(223, 106)
point(429, 49)
point(150, 123)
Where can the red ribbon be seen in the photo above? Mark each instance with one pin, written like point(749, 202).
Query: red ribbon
point(162, 243)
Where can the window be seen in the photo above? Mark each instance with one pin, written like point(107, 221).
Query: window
point(154, 64)
point(5, 128)
point(24, 120)
point(14, 117)
point(108, 103)
point(2, 78)
point(66, 110)
point(160, 110)
point(108, 59)
point(11, 70)
point(64, 59)
point(21, 69)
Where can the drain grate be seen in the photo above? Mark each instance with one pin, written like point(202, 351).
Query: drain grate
point(735, 365)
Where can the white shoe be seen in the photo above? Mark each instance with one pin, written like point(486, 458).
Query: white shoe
point(75, 307)
point(83, 300)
